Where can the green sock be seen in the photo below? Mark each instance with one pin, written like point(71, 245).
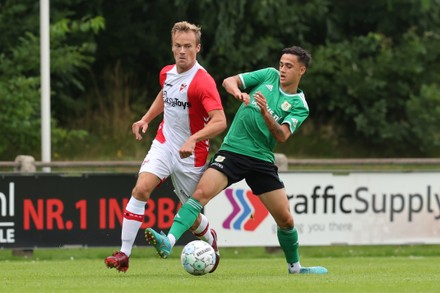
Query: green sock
point(288, 239)
point(185, 217)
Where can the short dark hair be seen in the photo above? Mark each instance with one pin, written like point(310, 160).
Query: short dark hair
point(303, 56)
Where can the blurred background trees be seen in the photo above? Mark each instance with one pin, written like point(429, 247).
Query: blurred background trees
point(373, 86)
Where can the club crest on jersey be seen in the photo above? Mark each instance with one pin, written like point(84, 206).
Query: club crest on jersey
point(182, 86)
point(286, 106)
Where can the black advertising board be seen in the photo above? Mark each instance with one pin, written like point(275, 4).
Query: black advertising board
point(55, 210)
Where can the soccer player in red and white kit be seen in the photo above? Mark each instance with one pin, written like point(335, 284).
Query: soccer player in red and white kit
point(192, 113)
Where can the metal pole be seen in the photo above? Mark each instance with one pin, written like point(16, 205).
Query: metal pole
point(45, 84)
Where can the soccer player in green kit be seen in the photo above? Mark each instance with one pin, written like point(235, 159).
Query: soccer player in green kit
point(271, 112)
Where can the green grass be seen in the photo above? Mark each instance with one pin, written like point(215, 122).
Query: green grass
point(351, 269)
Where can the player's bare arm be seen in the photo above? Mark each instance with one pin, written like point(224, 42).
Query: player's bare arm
point(280, 132)
point(141, 126)
point(215, 125)
point(233, 85)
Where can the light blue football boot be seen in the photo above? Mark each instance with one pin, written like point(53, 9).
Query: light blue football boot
point(313, 270)
point(159, 241)
point(307, 270)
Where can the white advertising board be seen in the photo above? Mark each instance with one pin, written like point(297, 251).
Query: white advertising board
point(352, 208)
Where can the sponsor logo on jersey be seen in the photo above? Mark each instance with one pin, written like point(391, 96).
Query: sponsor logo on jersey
point(271, 112)
point(269, 87)
point(174, 102)
point(177, 103)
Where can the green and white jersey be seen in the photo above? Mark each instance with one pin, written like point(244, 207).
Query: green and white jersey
point(248, 134)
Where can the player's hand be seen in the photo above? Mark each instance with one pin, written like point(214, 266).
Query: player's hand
point(261, 102)
point(138, 127)
point(243, 97)
point(187, 148)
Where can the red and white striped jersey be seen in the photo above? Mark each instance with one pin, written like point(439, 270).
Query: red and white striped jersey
point(188, 97)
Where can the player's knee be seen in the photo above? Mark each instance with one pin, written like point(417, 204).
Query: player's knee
point(286, 222)
point(201, 196)
point(141, 193)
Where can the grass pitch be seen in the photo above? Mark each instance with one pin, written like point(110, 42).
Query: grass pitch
point(351, 269)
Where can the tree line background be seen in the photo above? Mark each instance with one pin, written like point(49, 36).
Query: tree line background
point(372, 87)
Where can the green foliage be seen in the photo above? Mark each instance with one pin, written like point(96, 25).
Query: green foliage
point(423, 111)
point(19, 97)
point(372, 86)
point(364, 87)
point(71, 54)
point(71, 57)
point(19, 107)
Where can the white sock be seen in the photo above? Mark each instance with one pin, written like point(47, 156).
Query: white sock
point(294, 268)
point(132, 221)
point(203, 231)
point(172, 239)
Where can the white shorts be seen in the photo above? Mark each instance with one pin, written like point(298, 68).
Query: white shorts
point(163, 162)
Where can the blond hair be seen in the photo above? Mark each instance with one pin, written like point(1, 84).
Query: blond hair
point(185, 26)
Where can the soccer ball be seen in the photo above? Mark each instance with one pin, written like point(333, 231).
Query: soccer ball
point(198, 257)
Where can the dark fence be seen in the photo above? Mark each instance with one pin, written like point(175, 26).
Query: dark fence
point(55, 210)
point(28, 164)
point(46, 209)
